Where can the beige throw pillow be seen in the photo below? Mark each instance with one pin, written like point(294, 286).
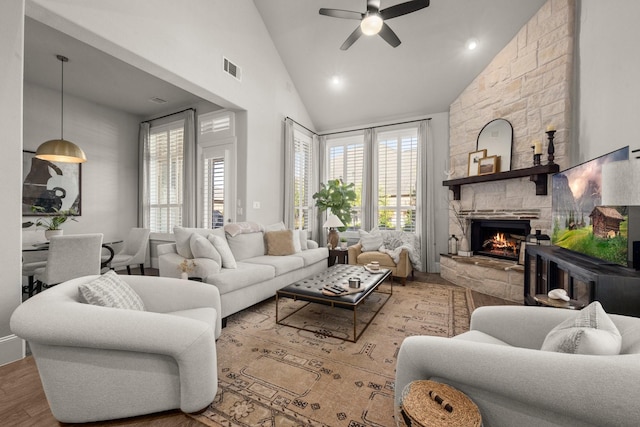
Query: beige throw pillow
point(109, 290)
point(591, 331)
point(279, 243)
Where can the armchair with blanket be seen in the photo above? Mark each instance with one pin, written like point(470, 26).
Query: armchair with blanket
point(398, 251)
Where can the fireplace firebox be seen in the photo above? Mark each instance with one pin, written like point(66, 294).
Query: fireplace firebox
point(499, 238)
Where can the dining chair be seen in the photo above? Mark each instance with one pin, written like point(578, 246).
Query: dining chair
point(29, 271)
point(134, 251)
point(70, 257)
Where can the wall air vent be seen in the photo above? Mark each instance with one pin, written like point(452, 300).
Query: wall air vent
point(232, 69)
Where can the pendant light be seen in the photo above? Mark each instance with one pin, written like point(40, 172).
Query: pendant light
point(61, 150)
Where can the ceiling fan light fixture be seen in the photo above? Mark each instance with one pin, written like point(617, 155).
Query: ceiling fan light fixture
point(371, 24)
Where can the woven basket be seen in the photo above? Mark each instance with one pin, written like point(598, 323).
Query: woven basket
point(432, 404)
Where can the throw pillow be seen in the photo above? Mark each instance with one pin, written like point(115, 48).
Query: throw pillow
point(203, 248)
point(221, 245)
point(109, 290)
point(304, 245)
point(370, 241)
point(279, 243)
point(297, 247)
point(591, 331)
point(183, 236)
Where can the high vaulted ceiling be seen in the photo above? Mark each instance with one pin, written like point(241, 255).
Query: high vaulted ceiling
point(378, 82)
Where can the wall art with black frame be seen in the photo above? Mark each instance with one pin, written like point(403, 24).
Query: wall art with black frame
point(49, 185)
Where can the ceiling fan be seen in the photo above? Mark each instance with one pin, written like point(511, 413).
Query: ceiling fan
point(372, 21)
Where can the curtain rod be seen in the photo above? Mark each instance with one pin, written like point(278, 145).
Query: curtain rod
point(168, 115)
point(301, 125)
point(373, 127)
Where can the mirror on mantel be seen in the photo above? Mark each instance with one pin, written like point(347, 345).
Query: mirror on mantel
point(497, 138)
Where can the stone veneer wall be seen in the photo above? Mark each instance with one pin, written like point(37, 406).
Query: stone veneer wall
point(528, 83)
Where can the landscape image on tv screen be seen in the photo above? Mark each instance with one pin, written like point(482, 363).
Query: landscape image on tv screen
point(580, 222)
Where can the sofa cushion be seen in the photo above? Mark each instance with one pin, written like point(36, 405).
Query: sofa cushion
point(246, 274)
point(282, 264)
point(303, 240)
point(203, 248)
point(109, 290)
point(183, 238)
point(591, 331)
point(370, 241)
point(384, 259)
point(221, 245)
point(246, 246)
point(279, 243)
point(312, 256)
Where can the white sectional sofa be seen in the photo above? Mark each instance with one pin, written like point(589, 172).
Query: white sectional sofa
point(256, 275)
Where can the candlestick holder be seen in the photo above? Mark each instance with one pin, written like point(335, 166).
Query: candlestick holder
point(536, 159)
point(551, 149)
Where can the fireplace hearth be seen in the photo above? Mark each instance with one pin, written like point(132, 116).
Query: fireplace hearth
point(498, 238)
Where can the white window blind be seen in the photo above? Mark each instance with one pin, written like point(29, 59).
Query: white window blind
point(345, 160)
point(166, 165)
point(214, 192)
point(302, 179)
point(397, 175)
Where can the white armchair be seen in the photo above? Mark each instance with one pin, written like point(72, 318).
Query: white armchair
point(98, 363)
point(500, 366)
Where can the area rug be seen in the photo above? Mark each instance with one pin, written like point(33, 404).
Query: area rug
point(274, 375)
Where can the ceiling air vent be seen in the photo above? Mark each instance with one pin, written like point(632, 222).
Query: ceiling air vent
point(232, 69)
point(157, 100)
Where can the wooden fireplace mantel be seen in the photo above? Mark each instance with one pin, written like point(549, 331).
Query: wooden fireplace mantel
point(537, 174)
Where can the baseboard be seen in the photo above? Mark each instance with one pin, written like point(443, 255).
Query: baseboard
point(12, 348)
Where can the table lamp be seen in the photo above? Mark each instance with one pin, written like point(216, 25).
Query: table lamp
point(620, 188)
point(332, 223)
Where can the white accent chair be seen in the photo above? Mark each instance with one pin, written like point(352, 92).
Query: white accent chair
point(134, 251)
point(98, 363)
point(500, 366)
point(69, 257)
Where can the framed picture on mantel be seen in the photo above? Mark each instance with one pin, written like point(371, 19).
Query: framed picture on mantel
point(489, 165)
point(474, 161)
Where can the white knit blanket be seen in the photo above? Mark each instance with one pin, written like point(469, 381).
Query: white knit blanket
point(393, 242)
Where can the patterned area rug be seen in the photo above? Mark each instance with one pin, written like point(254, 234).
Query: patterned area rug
point(274, 375)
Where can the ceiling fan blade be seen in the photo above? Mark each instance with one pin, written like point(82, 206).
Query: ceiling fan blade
point(389, 36)
point(338, 13)
point(373, 6)
point(403, 8)
point(351, 39)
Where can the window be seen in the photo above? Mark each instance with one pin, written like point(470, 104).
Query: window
point(216, 154)
point(345, 160)
point(302, 179)
point(397, 177)
point(166, 176)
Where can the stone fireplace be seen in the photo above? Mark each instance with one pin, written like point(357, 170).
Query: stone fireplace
point(529, 84)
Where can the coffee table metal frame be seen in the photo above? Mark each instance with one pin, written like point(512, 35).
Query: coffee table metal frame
point(336, 302)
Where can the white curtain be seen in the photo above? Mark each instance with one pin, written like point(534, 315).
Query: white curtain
point(289, 151)
point(189, 191)
point(143, 175)
point(319, 233)
point(369, 213)
point(425, 198)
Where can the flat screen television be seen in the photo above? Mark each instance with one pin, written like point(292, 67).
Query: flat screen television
point(579, 222)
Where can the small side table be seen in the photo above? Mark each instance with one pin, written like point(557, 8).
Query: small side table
point(338, 256)
point(572, 304)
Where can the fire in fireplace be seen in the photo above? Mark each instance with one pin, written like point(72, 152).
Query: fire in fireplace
point(498, 238)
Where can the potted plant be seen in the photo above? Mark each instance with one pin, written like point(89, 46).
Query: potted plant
point(51, 224)
point(343, 243)
point(337, 197)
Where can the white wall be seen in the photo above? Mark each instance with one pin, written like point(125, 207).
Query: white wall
point(608, 85)
point(188, 54)
point(11, 52)
point(109, 138)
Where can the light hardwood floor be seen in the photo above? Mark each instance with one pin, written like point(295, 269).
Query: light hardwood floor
point(23, 403)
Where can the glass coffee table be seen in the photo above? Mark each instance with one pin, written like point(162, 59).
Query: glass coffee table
point(311, 288)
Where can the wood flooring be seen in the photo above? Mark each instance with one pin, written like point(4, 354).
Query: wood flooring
point(23, 403)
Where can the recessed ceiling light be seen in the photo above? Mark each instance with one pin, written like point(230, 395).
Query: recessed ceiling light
point(336, 80)
point(472, 44)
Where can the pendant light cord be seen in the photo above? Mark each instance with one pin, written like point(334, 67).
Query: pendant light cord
point(62, 59)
